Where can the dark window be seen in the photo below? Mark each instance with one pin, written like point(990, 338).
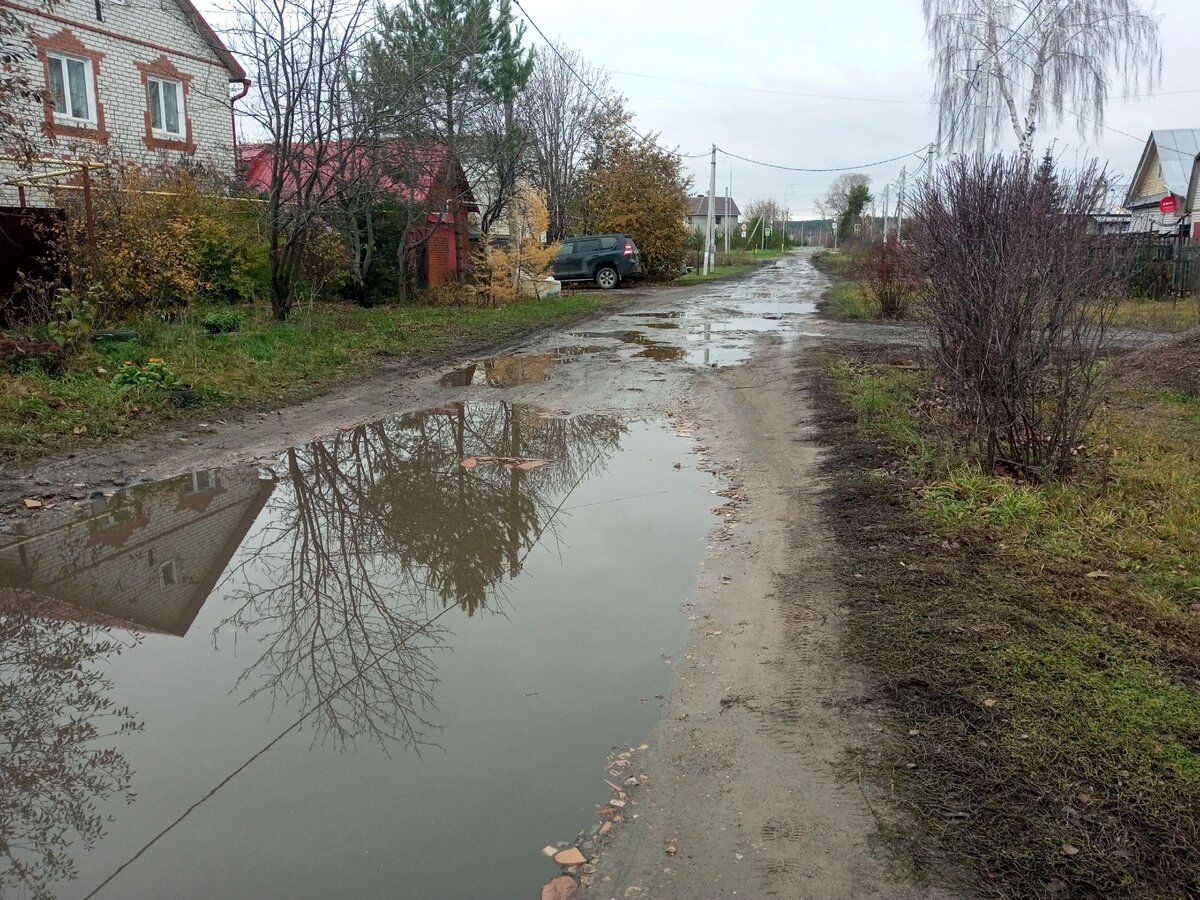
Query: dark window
point(565, 250)
point(587, 246)
point(608, 243)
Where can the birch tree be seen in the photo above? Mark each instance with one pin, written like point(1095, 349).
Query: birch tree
point(1046, 60)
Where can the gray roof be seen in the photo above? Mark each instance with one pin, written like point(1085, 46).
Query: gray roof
point(1177, 151)
point(700, 207)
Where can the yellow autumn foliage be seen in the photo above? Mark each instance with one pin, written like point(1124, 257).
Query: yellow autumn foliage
point(499, 271)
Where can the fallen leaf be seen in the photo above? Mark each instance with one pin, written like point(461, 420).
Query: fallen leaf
point(80, 429)
point(711, 633)
point(989, 702)
point(1070, 849)
point(1099, 573)
point(470, 463)
point(671, 848)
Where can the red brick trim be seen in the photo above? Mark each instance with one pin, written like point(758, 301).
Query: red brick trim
point(66, 42)
point(166, 69)
point(63, 20)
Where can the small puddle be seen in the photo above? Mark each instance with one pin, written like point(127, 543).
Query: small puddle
point(511, 371)
point(321, 620)
point(654, 315)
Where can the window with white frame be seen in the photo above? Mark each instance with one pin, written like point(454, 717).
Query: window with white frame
point(166, 106)
point(72, 88)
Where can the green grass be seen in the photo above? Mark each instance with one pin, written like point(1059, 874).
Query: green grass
point(732, 265)
point(265, 361)
point(852, 300)
point(1041, 642)
point(1159, 315)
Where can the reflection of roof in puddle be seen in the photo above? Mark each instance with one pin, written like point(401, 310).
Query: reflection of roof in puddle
point(654, 315)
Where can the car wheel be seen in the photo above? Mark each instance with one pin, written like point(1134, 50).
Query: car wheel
point(606, 278)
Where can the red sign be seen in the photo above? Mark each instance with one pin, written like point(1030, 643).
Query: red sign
point(1167, 205)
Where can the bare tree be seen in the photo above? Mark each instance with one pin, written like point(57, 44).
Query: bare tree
point(1042, 55)
point(561, 117)
point(300, 54)
point(1018, 307)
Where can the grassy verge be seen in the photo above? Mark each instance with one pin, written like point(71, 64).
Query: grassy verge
point(732, 265)
point(1159, 315)
point(263, 361)
point(1040, 645)
point(850, 299)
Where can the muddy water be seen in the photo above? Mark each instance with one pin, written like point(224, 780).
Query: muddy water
point(420, 666)
point(721, 325)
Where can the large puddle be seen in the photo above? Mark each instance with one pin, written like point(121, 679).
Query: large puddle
point(365, 671)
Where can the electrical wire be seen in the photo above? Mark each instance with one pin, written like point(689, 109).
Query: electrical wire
point(607, 104)
point(734, 87)
point(869, 165)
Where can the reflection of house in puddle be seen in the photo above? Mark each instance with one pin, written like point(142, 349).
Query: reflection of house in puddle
point(145, 558)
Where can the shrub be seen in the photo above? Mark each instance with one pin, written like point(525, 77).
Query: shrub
point(162, 240)
point(1018, 311)
point(154, 374)
point(221, 321)
point(73, 317)
point(888, 270)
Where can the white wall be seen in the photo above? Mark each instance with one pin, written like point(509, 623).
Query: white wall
point(132, 33)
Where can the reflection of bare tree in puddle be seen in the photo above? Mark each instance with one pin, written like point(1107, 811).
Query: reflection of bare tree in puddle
point(375, 528)
point(55, 717)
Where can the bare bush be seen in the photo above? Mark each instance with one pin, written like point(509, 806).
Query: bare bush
point(1018, 310)
point(887, 266)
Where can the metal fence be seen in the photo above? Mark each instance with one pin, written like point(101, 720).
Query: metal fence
point(1154, 266)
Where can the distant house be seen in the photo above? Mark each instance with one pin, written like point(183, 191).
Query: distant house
point(1109, 214)
point(148, 83)
point(144, 559)
point(427, 182)
point(725, 214)
point(1168, 168)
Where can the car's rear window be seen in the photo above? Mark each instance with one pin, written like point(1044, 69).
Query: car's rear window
point(608, 243)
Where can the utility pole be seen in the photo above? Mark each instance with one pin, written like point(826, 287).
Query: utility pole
point(728, 188)
point(709, 236)
point(887, 196)
point(900, 204)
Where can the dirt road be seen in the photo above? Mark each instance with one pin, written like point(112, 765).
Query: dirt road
point(748, 786)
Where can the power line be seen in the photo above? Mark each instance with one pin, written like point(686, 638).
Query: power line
point(828, 169)
point(735, 87)
point(591, 90)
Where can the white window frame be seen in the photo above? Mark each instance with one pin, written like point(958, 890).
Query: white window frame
point(168, 576)
point(161, 83)
point(89, 88)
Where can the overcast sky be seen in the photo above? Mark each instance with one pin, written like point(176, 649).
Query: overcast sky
point(870, 49)
point(853, 48)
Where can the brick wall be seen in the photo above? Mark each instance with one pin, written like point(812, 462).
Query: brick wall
point(111, 559)
point(134, 40)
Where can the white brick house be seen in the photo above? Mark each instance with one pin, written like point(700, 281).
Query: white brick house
point(143, 81)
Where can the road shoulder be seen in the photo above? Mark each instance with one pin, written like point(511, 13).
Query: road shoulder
point(749, 788)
